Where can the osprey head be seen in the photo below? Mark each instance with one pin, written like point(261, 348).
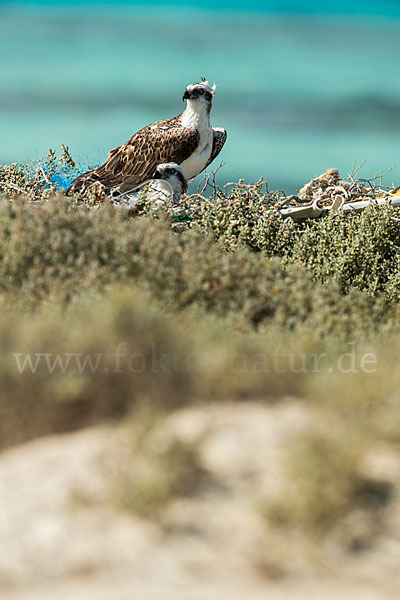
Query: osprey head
point(174, 174)
point(200, 92)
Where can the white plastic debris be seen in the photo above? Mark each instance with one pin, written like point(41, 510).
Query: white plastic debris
point(313, 211)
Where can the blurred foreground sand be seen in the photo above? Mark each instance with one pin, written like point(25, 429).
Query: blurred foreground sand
point(213, 545)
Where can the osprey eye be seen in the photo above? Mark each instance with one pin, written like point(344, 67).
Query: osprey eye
point(171, 171)
point(200, 92)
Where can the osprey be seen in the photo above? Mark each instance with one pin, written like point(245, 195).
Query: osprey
point(167, 183)
point(188, 140)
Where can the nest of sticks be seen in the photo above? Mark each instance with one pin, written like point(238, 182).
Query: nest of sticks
point(326, 189)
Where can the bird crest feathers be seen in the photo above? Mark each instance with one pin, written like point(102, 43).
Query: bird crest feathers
point(212, 89)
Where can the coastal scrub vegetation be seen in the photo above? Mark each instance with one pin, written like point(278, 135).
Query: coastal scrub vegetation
point(222, 300)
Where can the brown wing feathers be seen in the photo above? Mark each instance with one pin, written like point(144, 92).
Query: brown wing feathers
point(219, 140)
point(136, 160)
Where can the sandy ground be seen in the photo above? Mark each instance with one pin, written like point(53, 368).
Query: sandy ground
point(214, 545)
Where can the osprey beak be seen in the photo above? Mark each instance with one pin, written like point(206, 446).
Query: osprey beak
point(157, 175)
point(185, 96)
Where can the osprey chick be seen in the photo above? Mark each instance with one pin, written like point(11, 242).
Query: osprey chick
point(167, 183)
point(188, 140)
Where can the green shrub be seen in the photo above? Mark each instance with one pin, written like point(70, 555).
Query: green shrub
point(63, 370)
point(59, 251)
point(356, 250)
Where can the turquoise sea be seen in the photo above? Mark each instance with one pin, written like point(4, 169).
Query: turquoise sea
point(300, 88)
